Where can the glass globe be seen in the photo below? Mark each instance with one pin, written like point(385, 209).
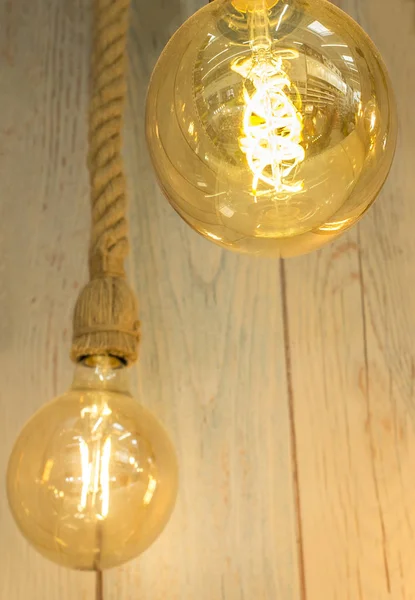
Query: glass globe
point(271, 124)
point(92, 478)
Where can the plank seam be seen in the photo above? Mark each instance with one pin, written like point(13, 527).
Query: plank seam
point(293, 435)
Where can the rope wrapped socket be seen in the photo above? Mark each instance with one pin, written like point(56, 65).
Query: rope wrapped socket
point(105, 318)
point(105, 321)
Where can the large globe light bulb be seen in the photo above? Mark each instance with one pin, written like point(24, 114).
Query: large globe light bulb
point(271, 124)
point(92, 478)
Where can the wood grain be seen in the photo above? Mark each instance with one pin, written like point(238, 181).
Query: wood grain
point(44, 218)
point(351, 326)
point(213, 354)
point(288, 389)
point(213, 368)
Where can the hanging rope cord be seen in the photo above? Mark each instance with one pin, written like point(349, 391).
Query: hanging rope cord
point(109, 243)
point(105, 318)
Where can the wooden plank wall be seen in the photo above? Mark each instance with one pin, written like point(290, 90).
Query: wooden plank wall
point(351, 325)
point(287, 387)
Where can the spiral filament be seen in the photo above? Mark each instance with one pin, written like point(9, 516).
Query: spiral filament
point(272, 126)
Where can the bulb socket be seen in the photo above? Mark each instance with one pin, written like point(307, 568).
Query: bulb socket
point(105, 321)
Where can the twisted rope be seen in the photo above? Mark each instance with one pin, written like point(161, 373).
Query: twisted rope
point(105, 319)
point(109, 235)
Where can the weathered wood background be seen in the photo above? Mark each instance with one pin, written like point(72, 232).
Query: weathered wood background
point(288, 388)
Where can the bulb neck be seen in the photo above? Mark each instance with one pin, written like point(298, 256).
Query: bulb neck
point(102, 373)
point(251, 5)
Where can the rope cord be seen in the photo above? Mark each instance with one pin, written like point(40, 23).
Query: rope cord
point(105, 318)
point(109, 235)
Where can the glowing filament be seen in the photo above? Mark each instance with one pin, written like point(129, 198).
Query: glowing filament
point(95, 475)
point(105, 477)
point(272, 126)
point(86, 472)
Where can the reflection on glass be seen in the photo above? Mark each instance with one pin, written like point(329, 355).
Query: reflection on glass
point(267, 121)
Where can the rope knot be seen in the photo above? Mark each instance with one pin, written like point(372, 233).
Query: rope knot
point(105, 320)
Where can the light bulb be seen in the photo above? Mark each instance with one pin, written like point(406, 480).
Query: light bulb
point(92, 478)
point(271, 124)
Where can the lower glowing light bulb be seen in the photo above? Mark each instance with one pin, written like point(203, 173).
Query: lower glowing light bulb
point(92, 478)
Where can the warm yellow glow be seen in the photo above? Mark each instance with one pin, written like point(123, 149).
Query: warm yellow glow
point(82, 476)
point(152, 484)
point(244, 5)
point(272, 125)
point(372, 121)
point(84, 451)
point(95, 475)
point(47, 470)
point(105, 477)
point(229, 74)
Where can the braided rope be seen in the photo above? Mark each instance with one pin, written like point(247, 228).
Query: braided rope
point(109, 234)
point(105, 318)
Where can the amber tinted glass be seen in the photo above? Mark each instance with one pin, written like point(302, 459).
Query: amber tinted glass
point(92, 479)
point(272, 129)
